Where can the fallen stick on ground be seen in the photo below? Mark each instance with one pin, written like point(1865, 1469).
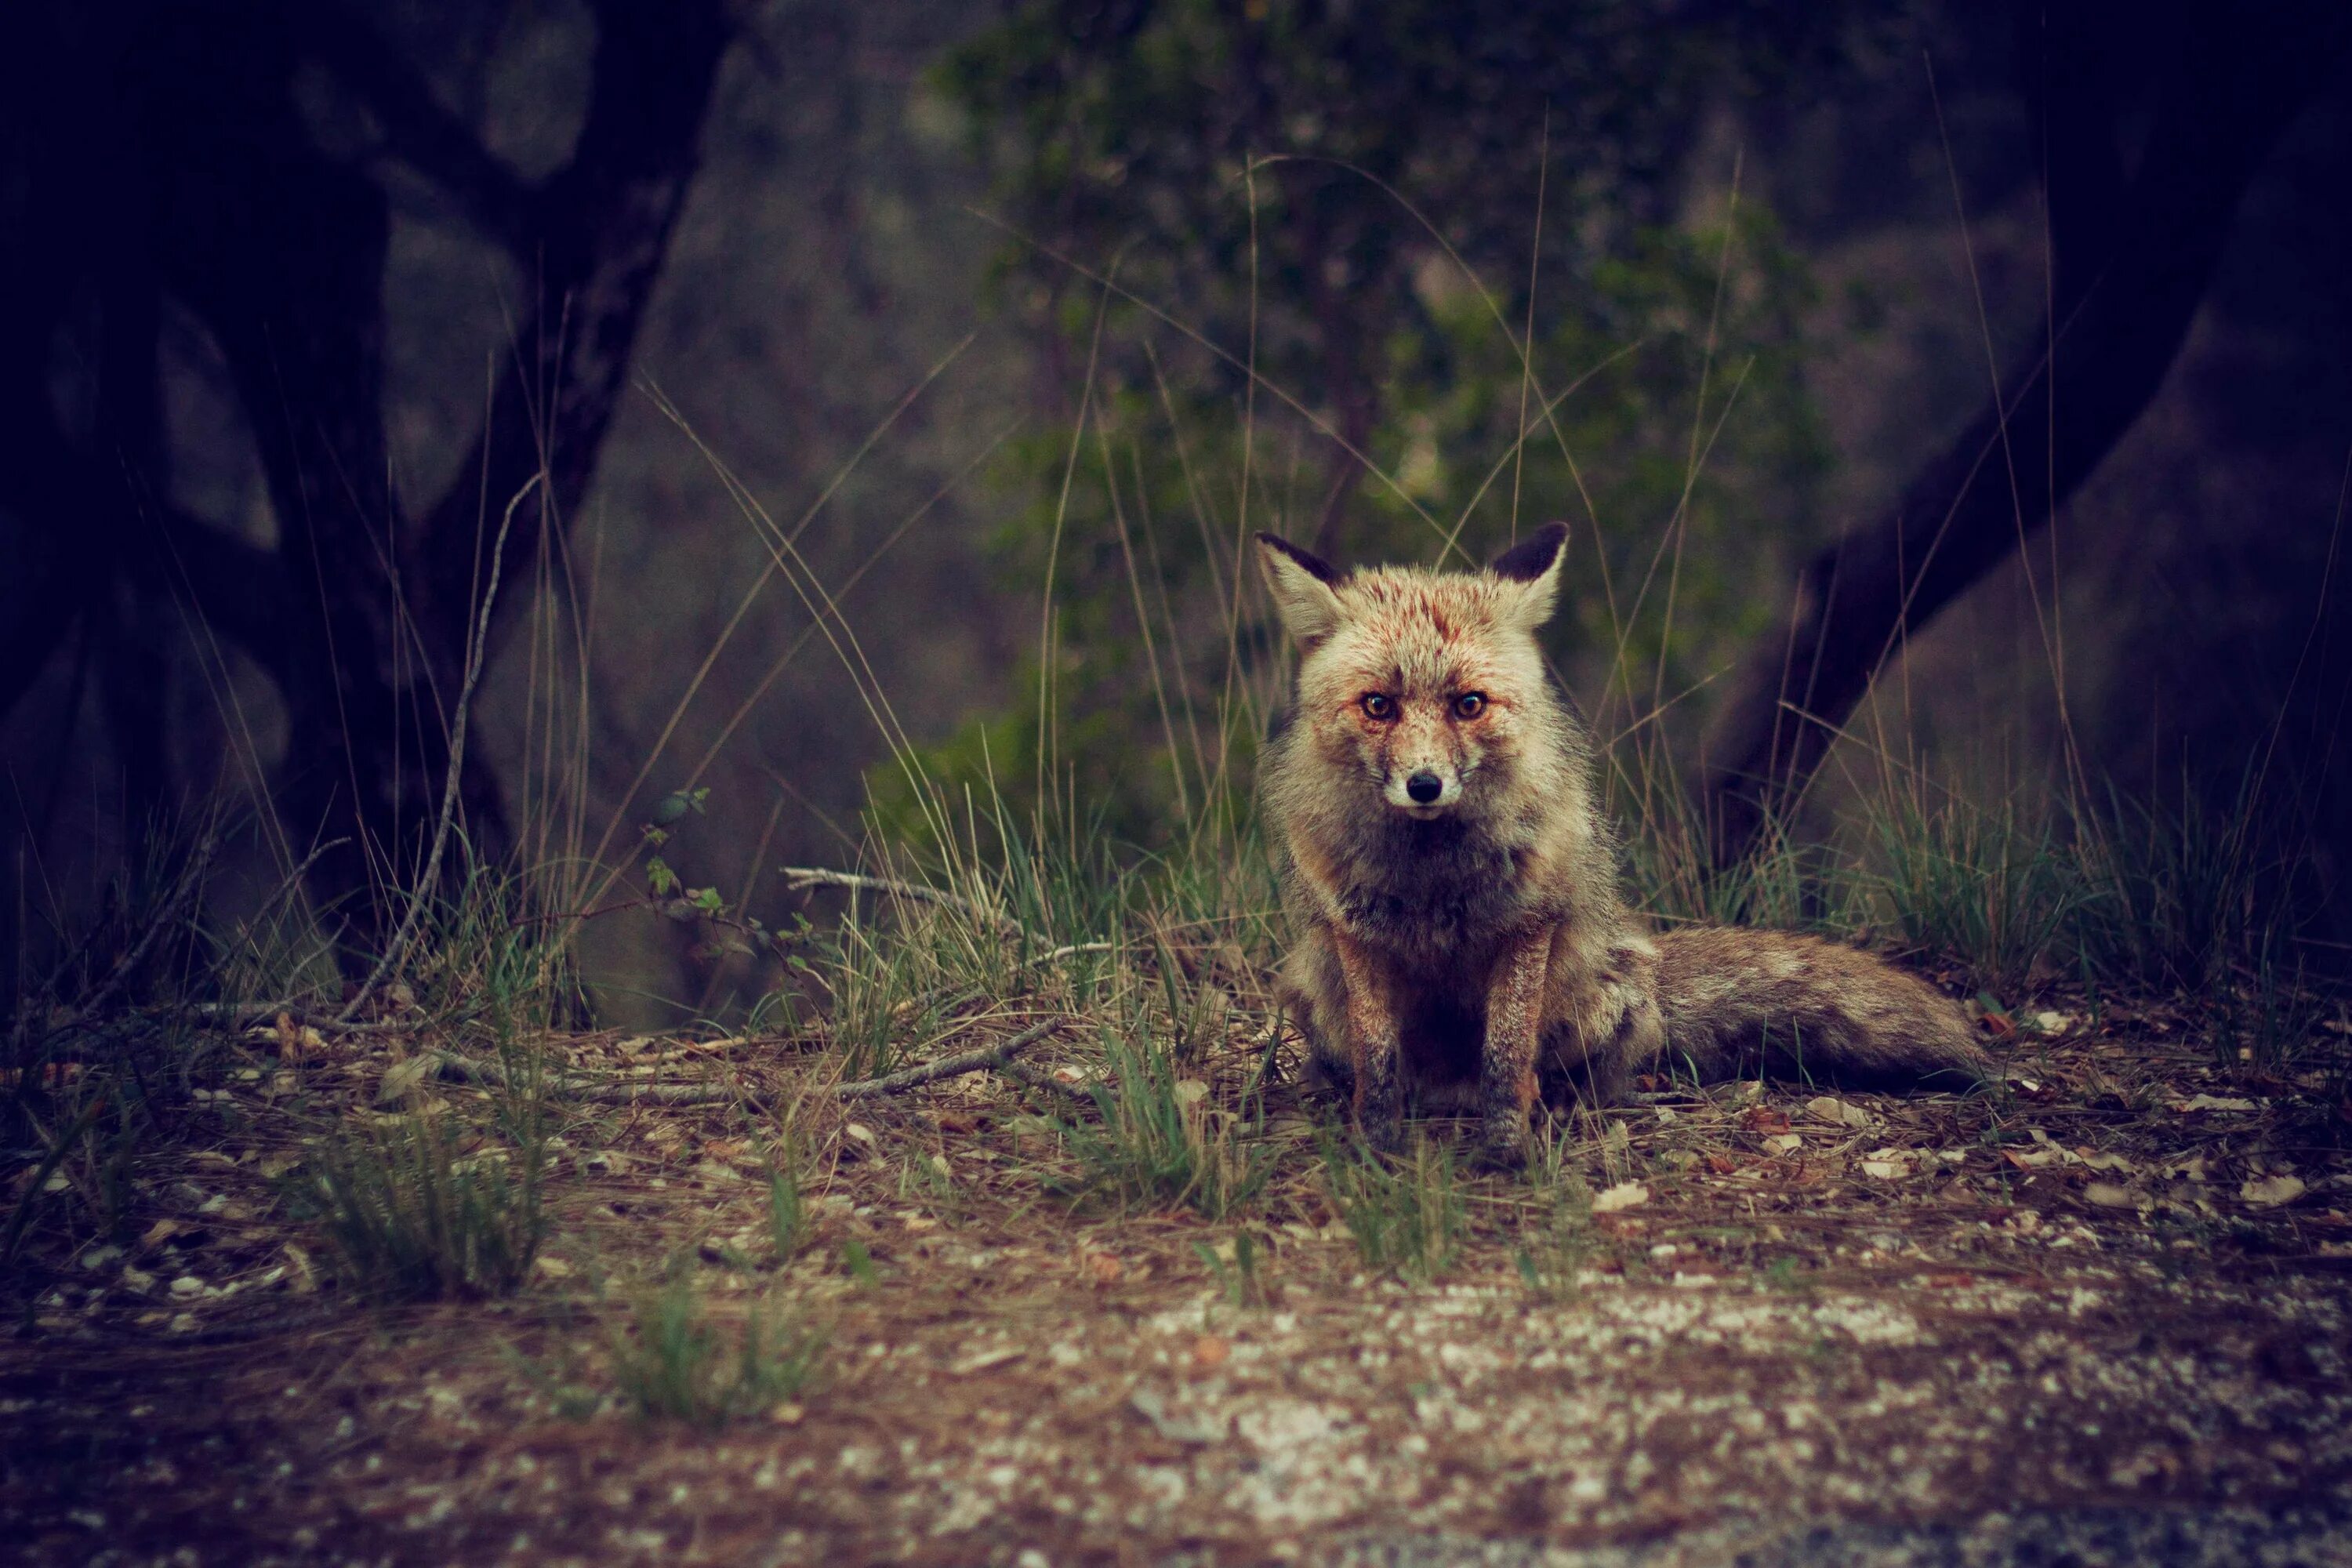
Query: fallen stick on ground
point(995, 1058)
point(593, 1091)
point(1072, 949)
point(258, 1015)
point(988, 1059)
point(1031, 1077)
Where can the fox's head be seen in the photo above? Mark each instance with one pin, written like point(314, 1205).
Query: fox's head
point(1427, 687)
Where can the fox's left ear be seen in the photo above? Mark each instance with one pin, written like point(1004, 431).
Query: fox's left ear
point(1533, 563)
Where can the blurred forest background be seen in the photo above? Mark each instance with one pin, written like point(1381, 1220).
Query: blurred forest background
point(674, 320)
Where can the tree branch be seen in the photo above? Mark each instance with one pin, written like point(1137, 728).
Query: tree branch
point(603, 225)
point(2235, 87)
point(417, 129)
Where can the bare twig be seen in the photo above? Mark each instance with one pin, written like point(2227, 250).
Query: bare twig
point(253, 1015)
point(475, 652)
point(1030, 1078)
point(592, 1091)
point(1073, 949)
point(291, 883)
point(997, 1058)
point(987, 1060)
point(800, 879)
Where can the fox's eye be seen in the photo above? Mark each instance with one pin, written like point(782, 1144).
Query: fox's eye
point(1378, 706)
point(1470, 704)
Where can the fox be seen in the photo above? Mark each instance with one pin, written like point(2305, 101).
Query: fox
point(1460, 936)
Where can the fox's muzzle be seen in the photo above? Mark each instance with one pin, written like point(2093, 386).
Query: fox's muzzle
point(1424, 791)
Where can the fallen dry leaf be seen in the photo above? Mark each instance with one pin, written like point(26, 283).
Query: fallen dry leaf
point(1838, 1112)
point(400, 1078)
point(2108, 1195)
point(302, 1280)
point(1176, 1427)
point(1210, 1351)
point(2213, 1102)
point(2271, 1191)
point(1623, 1195)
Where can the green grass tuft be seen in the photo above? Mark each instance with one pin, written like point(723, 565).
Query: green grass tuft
point(1408, 1217)
point(791, 1226)
point(1162, 1142)
point(1979, 884)
point(412, 1214)
point(674, 1362)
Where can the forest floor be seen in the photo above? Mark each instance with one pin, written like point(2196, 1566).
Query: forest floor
point(2104, 1307)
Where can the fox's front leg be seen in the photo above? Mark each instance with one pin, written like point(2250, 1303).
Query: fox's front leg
point(1506, 1067)
point(1372, 1045)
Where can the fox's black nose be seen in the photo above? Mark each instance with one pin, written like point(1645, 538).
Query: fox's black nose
point(1424, 787)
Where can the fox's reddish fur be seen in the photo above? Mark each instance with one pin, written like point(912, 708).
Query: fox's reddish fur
point(1459, 933)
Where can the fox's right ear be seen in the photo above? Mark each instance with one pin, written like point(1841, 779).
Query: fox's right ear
point(1302, 584)
point(1533, 564)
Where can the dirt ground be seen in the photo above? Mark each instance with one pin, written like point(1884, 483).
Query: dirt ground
point(2099, 1316)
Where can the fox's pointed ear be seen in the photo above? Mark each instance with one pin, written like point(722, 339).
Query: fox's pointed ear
point(1302, 587)
point(1533, 565)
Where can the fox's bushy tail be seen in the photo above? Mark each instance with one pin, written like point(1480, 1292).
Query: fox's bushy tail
point(1739, 1001)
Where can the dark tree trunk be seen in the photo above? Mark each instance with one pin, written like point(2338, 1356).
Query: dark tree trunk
point(603, 225)
point(167, 154)
point(280, 251)
point(2132, 262)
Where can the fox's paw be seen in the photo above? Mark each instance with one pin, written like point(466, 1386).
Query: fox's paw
point(1331, 1076)
point(1382, 1134)
point(1501, 1145)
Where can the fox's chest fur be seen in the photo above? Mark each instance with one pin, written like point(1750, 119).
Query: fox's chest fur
point(1435, 891)
point(1441, 903)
